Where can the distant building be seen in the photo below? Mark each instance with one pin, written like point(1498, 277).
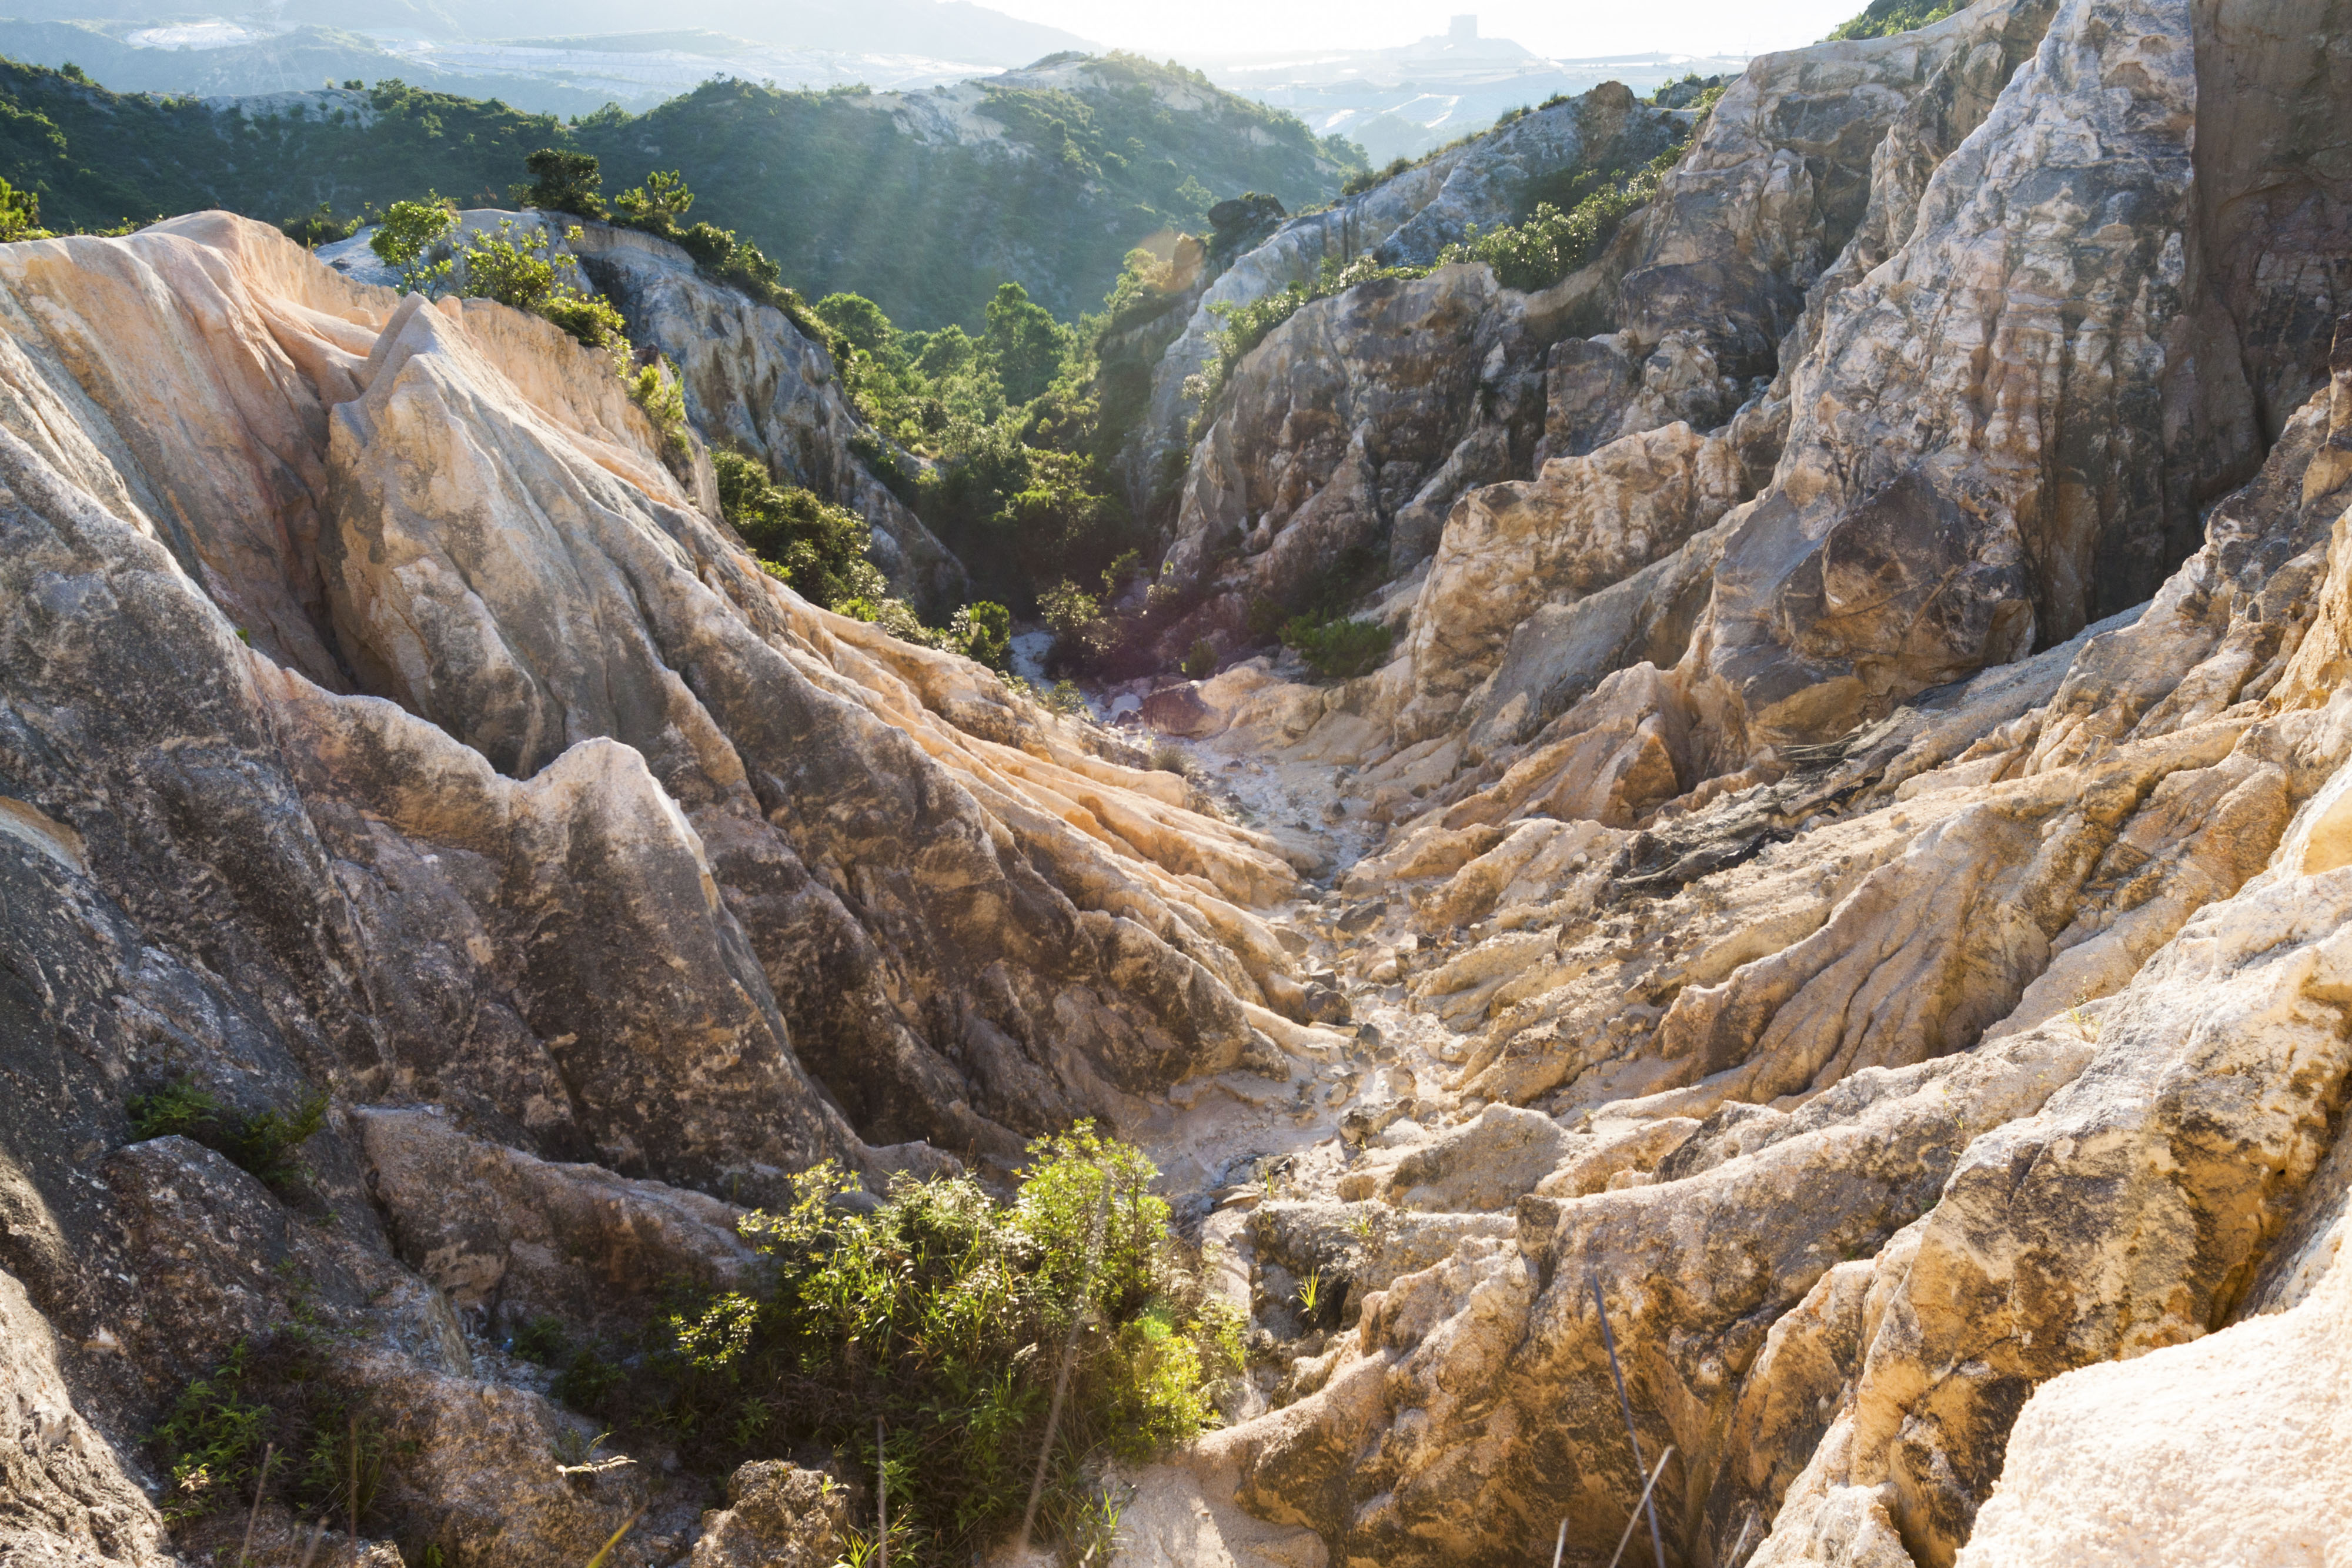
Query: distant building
point(1464, 29)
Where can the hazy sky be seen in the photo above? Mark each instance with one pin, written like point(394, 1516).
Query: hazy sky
point(1562, 28)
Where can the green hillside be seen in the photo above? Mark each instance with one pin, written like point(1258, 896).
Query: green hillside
point(831, 186)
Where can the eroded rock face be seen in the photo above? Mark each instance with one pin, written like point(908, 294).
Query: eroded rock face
point(2059, 926)
point(1404, 220)
point(435, 744)
point(1778, 181)
point(753, 382)
point(1345, 415)
point(1583, 525)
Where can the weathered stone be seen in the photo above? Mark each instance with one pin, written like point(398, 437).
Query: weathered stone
point(777, 1516)
point(1406, 220)
point(1584, 524)
point(511, 1237)
point(1179, 710)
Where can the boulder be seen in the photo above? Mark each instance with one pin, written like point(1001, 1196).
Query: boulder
point(777, 1516)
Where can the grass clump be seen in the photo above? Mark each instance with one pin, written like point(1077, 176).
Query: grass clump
point(280, 1395)
point(266, 1145)
point(950, 1316)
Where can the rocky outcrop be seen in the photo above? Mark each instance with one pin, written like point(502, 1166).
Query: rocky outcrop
point(379, 716)
point(1347, 423)
point(1839, 899)
point(1749, 854)
point(1406, 219)
point(778, 1516)
point(1583, 525)
point(2234, 1444)
point(753, 382)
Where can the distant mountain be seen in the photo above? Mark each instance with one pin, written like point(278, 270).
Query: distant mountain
point(922, 201)
point(1405, 101)
point(569, 75)
point(946, 29)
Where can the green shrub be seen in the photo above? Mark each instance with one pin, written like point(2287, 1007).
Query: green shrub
point(564, 182)
point(20, 215)
point(1552, 244)
point(1200, 661)
point(816, 546)
point(1880, 17)
point(406, 239)
point(1341, 650)
point(263, 1144)
point(541, 1341)
point(1068, 608)
point(319, 226)
point(657, 204)
point(520, 267)
point(948, 1316)
point(982, 630)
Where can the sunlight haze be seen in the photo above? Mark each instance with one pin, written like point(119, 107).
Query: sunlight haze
point(1224, 27)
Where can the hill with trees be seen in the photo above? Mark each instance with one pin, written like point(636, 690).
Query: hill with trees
point(924, 202)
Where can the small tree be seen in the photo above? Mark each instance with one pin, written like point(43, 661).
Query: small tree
point(1025, 341)
point(657, 204)
point(563, 182)
point(406, 239)
point(984, 632)
point(859, 322)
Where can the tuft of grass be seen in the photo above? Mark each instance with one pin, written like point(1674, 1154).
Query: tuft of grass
point(1174, 759)
point(277, 1395)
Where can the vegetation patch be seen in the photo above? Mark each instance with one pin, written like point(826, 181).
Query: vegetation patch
point(280, 1401)
point(955, 1321)
point(1551, 242)
point(1880, 17)
point(266, 1145)
point(1339, 650)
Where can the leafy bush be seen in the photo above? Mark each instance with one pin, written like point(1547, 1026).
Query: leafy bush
point(657, 204)
point(816, 546)
point(1552, 244)
point(406, 239)
point(984, 632)
point(1357, 184)
point(263, 1144)
point(949, 1318)
point(657, 388)
point(20, 215)
point(1200, 661)
point(1024, 342)
point(1880, 17)
point(319, 226)
point(564, 182)
point(1341, 650)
